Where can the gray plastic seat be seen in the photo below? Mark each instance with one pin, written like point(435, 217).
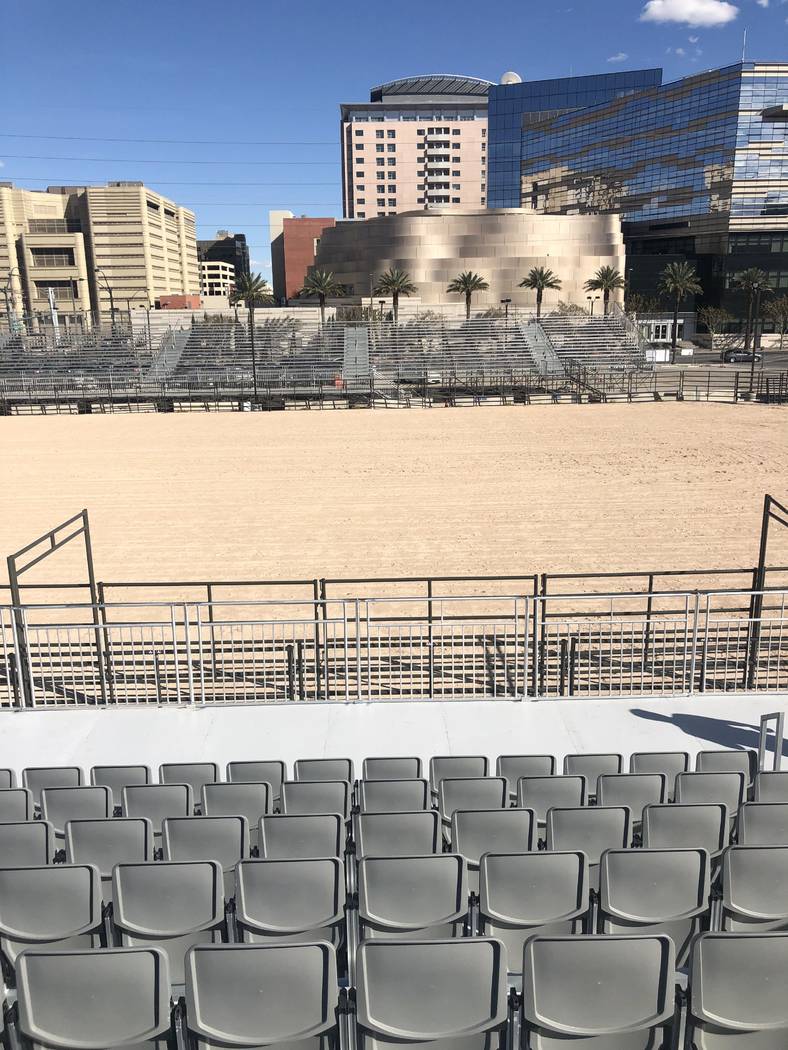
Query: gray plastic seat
point(397, 834)
point(542, 793)
point(86, 999)
point(771, 787)
point(471, 793)
point(686, 826)
point(515, 766)
point(7, 779)
point(475, 832)
point(155, 802)
point(224, 839)
point(727, 788)
point(26, 844)
point(290, 900)
point(592, 766)
point(635, 790)
point(324, 769)
point(35, 779)
point(440, 994)
point(316, 796)
point(171, 906)
point(737, 995)
point(763, 824)
point(727, 761)
point(601, 992)
point(655, 891)
point(195, 774)
point(671, 763)
point(118, 777)
point(755, 889)
point(246, 800)
point(270, 771)
point(393, 796)
point(15, 804)
point(591, 830)
point(105, 843)
point(291, 837)
point(522, 894)
point(262, 995)
point(391, 769)
point(58, 905)
point(59, 805)
point(415, 898)
point(456, 766)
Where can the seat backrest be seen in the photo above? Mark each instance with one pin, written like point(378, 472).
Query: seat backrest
point(105, 843)
point(727, 788)
point(771, 787)
point(39, 777)
point(420, 991)
point(118, 777)
point(397, 834)
point(592, 766)
point(635, 790)
point(471, 793)
point(291, 837)
point(391, 769)
point(541, 793)
point(157, 801)
point(286, 899)
point(271, 772)
point(474, 832)
point(671, 763)
point(677, 826)
point(7, 779)
point(755, 888)
point(763, 824)
point(128, 1002)
point(393, 796)
point(15, 804)
point(596, 987)
point(404, 896)
point(727, 761)
point(246, 800)
point(279, 993)
point(515, 766)
point(225, 839)
point(737, 990)
point(316, 796)
point(590, 829)
point(27, 844)
point(195, 774)
point(59, 805)
point(324, 769)
point(457, 766)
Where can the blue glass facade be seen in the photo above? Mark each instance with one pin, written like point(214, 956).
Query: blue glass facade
point(513, 108)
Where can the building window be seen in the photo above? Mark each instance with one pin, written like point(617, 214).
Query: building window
point(391, 148)
point(361, 200)
point(381, 213)
point(420, 131)
point(392, 202)
point(359, 131)
point(392, 162)
point(456, 174)
point(391, 134)
point(455, 145)
point(482, 201)
point(379, 148)
point(455, 200)
point(379, 134)
point(380, 162)
point(455, 131)
point(360, 187)
point(484, 133)
point(381, 188)
point(362, 215)
point(420, 200)
point(381, 202)
point(359, 145)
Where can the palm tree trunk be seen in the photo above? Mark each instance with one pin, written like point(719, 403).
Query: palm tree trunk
point(467, 306)
point(748, 326)
point(606, 301)
point(323, 310)
point(538, 305)
point(675, 332)
point(254, 358)
point(395, 306)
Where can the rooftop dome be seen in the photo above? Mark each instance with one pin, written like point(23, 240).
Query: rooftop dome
point(510, 77)
point(432, 84)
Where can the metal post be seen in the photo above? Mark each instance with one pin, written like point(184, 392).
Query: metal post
point(430, 641)
point(647, 630)
point(572, 665)
point(771, 509)
point(290, 672)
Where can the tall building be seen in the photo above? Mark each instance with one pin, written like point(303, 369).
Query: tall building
point(294, 243)
point(89, 246)
point(217, 279)
point(418, 141)
point(228, 248)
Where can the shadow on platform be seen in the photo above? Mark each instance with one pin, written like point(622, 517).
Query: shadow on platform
point(721, 732)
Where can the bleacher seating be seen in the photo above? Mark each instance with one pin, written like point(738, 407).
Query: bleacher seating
point(629, 917)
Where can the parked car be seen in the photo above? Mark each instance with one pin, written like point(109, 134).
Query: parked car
point(733, 356)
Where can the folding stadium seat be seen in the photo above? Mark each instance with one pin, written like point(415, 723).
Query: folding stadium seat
point(290, 900)
point(755, 889)
point(171, 906)
point(590, 829)
point(291, 837)
point(475, 832)
point(471, 793)
point(15, 804)
point(522, 894)
point(324, 769)
point(262, 995)
point(771, 787)
point(592, 767)
point(414, 898)
point(727, 788)
point(598, 991)
point(27, 844)
point(397, 834)
point(650, 891)
point(35, 779)
point(393, 796)
point(391, 769)
point(316, 796)
point(688, 826)
point(737, 997)
point(54, 906)
point(542, 793)
point(671, 763)
point(457, 766)
point(247, 800)
point(105, 843)
point(59, 805)
point(267, 772)
point(225, 839)
point(515, 766)
point(745, 762)
point(118, 777)
point(195, 774)
point(7, 779)
point(155, 802)
point(81, 999)
point(763, 824)
point(437, 994)
point(634, 790)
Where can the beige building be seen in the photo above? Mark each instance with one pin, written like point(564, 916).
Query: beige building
point(501, 245)
point(217, 278)
point(419, 141)
point(84, 242)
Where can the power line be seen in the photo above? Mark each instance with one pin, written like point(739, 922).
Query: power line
point(139, 160)
point(169, 142)
point(72, 180)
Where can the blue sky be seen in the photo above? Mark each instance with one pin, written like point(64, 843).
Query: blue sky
point(268, 78)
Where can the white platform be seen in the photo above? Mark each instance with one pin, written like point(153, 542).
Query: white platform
point(151, 735)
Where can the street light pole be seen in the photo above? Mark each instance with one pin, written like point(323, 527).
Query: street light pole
point(752, 323)
point(108, 286)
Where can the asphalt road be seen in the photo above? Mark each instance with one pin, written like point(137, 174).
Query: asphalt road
point(773, 361)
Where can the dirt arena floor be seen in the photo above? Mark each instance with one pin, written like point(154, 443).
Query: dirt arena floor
point(441, 491)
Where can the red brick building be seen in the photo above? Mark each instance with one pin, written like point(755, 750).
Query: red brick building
point(293, 252)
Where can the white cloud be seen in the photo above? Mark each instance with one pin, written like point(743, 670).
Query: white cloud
point(620, 56)
point(693, 39)
point(762, 3)
point(2, 163)
point(680, 52)
point(690, 12)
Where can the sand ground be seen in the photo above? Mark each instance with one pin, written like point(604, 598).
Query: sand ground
point(441, 491)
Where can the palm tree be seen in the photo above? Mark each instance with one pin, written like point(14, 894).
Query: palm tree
point(607, 279)
point(252, 289)
point(540, 279)
point(394, 282)
point(751, 282)
point(466, 283)
point(323, 284)
point(777, 310)
point(678, 280)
